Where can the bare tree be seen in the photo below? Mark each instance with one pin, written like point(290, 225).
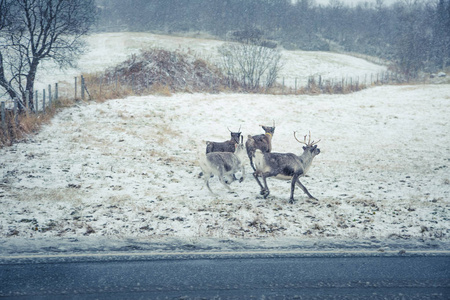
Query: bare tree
point(35, 30)
point(251, 58)
point(5, 25)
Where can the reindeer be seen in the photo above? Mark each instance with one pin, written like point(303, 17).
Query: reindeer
point(227, 146)
point(285, 166)
point(223, 164)
point(262, 142)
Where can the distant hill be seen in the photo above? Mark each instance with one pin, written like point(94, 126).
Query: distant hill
point(109, 49)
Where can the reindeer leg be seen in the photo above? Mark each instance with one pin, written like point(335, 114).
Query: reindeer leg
point(293, 181)
point(251, 163)
point(266, 188)
point(304, 189)
point(243, 174)
point(259, 183)
point(207, 177)
point(225, 185)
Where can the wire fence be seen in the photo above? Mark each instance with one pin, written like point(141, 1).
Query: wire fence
point(46, 99)
point(122, 85)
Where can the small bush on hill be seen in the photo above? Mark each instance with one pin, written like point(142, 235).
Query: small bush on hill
point(156, 71)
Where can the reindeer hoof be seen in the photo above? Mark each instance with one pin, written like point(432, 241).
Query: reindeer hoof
point(291, 201)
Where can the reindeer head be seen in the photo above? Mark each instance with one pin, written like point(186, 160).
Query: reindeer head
point(310, 146)
point(269, 130)
point(235, 135)
point(240, 150)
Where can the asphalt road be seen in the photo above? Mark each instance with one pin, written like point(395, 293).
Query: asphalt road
point(227, 275)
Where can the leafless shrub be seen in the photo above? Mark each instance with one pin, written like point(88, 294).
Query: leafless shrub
point(250, 64)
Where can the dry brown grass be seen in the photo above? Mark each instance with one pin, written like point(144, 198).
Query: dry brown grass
point(27, 123)
point(162, 90)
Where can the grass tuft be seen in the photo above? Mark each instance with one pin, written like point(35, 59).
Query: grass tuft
point(20, 126)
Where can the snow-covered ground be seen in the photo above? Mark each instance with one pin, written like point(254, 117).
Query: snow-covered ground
point(128, 168)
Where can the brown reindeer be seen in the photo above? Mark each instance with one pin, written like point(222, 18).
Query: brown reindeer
point(227, 146)
point(262, 142)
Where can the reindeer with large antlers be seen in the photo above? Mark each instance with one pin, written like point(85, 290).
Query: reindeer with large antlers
point(285, 166)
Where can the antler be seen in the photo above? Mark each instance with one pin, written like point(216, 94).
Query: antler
point(309, 143)
point(273, 122)
point(299, 140)
point(237, 131)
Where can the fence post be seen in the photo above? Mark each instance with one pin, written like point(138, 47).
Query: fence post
point(56, 91)
point(76, 79)
point(36, 102)
point(82, 87)
point(49, 95)
point(43, 101)
point(3, 117)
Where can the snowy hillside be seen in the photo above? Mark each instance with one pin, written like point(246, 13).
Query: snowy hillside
point(128, 168)
point(109, 49)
